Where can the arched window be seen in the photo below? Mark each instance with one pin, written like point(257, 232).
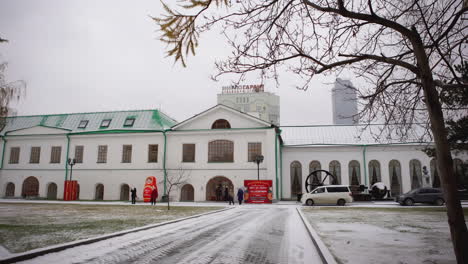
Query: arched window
point(374, 172)
point(354, 169)
point(52, 191)
point(220, 123)
point(394, 168)
point(99, 195)
point(10, 190)
point(221, 151)
point(30, 187)
point(313, 166)
point(124, 192)
point(335, 170)
point(415, 173)
point(434, 174)
point(296, 178)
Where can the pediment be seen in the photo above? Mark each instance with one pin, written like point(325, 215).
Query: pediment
point(236, 119)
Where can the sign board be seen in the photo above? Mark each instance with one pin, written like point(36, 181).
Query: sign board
point(248, 88)
point(70, 191)
point(258, 191)
point(150, 184)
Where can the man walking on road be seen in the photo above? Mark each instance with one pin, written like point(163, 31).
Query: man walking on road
point(240, 195)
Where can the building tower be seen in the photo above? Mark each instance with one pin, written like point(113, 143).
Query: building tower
point(253, 100)
point(344, 103)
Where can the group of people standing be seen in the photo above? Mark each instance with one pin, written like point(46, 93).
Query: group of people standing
point(154, 195)
point(227, 196)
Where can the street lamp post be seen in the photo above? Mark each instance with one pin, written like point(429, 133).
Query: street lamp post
point(258, 159)
point(71, 162)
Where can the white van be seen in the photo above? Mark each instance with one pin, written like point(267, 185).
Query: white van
point(331, 194)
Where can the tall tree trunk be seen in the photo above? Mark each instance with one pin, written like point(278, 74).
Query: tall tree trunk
point(456, 219)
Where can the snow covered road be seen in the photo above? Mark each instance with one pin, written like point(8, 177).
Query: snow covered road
point(245, 234)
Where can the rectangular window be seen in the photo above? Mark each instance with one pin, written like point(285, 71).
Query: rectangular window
point(153, 153)
point(105, 123)
point(129, 122)
point(83, 124)
point(55, 154)
point(102, 154)
point(127, 154)
point(79, 154)
point(188, 153)
point(14, 155)
point(35, 155)
point(254, 149)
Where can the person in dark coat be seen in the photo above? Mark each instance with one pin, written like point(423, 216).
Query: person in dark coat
point(219, 192)
point(226, 194)
point(240, 195)
point(230, 199)
point(134, 192)
point(154, 196)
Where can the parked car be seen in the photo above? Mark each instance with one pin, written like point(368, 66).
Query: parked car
point(421, 195)
point(332, 194)
point(463, 194)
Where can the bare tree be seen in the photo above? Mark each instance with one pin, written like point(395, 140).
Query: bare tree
point(9, 92)
point(404, 50)
point(175, 180)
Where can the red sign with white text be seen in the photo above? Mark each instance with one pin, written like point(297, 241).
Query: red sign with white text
point(258, 191)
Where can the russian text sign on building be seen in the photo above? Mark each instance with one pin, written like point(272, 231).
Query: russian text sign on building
point(258, 191)
point(248, 88)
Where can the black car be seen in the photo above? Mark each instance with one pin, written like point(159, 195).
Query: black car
point(421, 195)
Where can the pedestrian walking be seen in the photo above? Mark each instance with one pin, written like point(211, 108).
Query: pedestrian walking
point(230, 199)
point(154, 196)
point(240, 195)
point(134, 192)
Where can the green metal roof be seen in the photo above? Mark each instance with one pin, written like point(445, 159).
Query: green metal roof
point(144, 120)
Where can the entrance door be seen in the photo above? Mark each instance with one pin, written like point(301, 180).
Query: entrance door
point(216, 188)
point(187, 193)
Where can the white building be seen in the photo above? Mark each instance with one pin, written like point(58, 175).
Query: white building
point(344, 103)
point(253, 100)
point(118, 150)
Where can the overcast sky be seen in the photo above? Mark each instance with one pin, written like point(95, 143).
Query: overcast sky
point(87, 56)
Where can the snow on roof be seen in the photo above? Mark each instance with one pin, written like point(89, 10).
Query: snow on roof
point(144, 120)
point(354, 135)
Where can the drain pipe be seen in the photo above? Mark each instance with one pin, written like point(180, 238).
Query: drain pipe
point(365, 167)
point(66, 159)
point(164, 160)
point(3, 151)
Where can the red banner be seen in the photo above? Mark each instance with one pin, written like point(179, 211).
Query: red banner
point(70, 191)
point(150, 184)
point(258, 191)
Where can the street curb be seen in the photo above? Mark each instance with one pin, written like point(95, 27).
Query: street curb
point(325, 255)
point(42, 251)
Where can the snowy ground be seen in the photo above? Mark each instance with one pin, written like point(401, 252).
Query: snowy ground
point(29, 225)
point(384, 235)
point(245, 234)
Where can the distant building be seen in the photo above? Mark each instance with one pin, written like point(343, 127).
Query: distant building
point(253, 100)
point(344, 103)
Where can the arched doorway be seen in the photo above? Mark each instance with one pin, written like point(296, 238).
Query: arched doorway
point(354, 170)
point(415, 173)
point(124, 192)
point(335, 170)
point(313, 166)
point(187, 193)
point(10, 190)
point(374, 172)
point(218, 182)
point(296, 178)
point(30, 187)
point(52, 191)
point(99, 195)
